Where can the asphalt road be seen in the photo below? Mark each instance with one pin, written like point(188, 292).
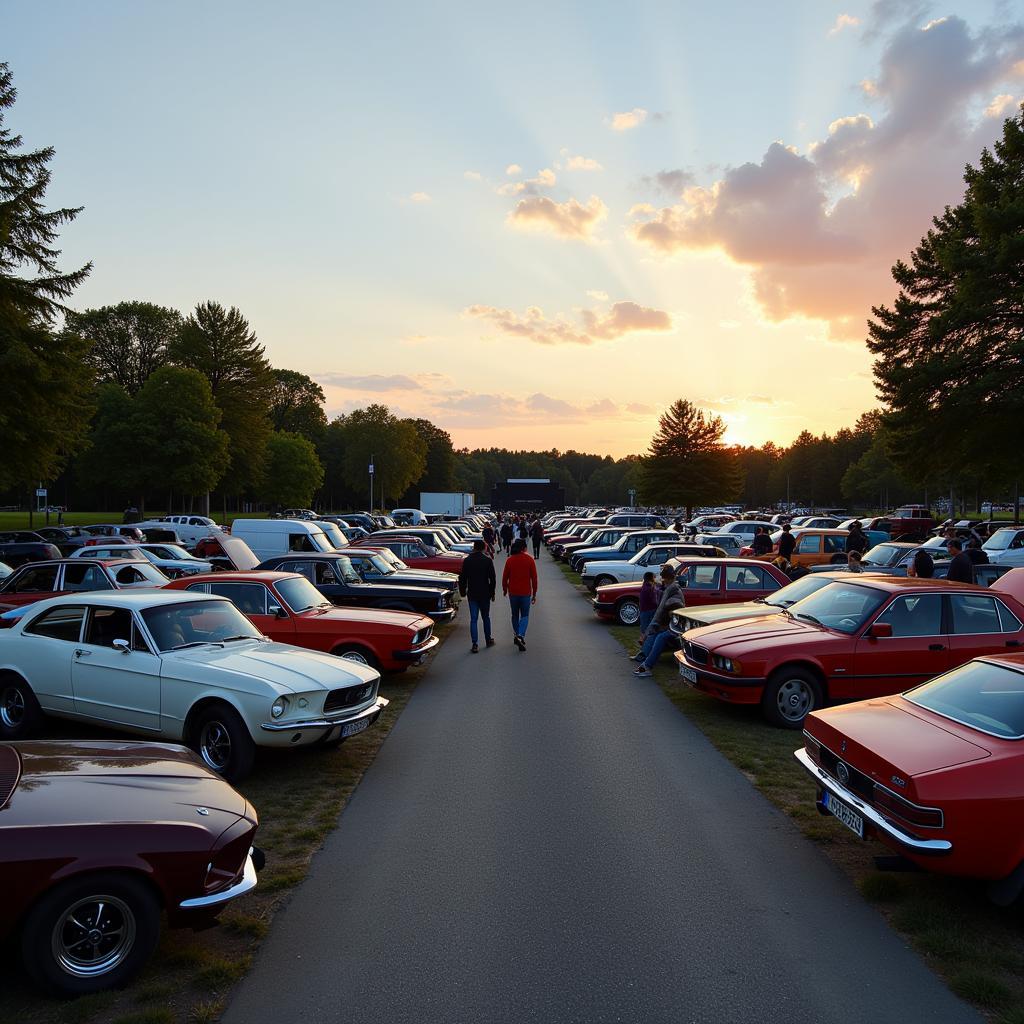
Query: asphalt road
point(543, 838)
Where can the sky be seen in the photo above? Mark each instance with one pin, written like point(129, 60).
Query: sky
point(536, 225)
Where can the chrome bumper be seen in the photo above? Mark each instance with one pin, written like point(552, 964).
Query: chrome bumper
point(246, 884)
point(324, 723)
point(870, 815)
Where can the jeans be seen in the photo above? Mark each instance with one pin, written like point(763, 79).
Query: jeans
point(483, 609)
point(536, 548)
point(520, 612)
point(645, 620)
point(654, 645)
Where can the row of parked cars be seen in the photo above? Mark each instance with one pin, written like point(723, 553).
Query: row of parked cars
point(99, 839)
point(909, 691)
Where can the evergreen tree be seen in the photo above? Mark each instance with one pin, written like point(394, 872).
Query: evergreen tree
point(297, 405)
point(46, 408)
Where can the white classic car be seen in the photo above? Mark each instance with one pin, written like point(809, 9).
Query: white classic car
point(170, 559)
point(181, 667)
point(648, 559)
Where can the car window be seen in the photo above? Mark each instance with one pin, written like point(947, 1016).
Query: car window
point(197, 622)
point(35, 580)
point(323, 574)
point(810, 544)
point(1007, 620)
point(63, 623)
point(248, 598)
point(917, 615)
point(834, 543)
point(85, 577)
point(839, 606)
point(129, 576)
point(300, 594)
point(701, 577)
point(973, 614)
point(300, 542)
point(742, 577)
point(105, 625)
point(302, 566)
point(986, 697)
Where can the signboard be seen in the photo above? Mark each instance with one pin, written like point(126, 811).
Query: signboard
point(371, 469)
point(41, 492)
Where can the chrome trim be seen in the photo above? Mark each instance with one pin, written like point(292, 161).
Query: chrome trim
point(246, 884)
point(323, 723)
point(825, 781)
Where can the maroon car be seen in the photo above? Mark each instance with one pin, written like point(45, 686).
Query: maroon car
point(98, 839)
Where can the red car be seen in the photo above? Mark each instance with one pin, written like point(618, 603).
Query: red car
point(708, 581)
point(37, 580)
point(287, 608)
point(411, 551)
point(97, 838)
point(936, 774)
point(853, 639)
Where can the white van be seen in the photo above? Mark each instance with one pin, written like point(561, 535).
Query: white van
point(190, 529)
point(408, 517)
point(271, 537)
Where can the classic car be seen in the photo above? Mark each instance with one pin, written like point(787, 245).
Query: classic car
point(37, 580)
point(187, 667)
point(5, 570)
point(433, 536)
point(910, 522)
point(602, 536)
point(858, 637)
point(379, 564)
point(891, 557)
point(728, 542)
point(412, 552)
point(66, 538)
point(189, 529)
point(580, 535)
point(707, 580)
point(171, 561)
point(647, 559)
point(814, 546)
point(935, 774)
point(22, 546)
point(99, 531)
point(624, 548)
point(226, 552)
point(287, 608)
point(97, 838)
point(337, 579)
point(1005, 546)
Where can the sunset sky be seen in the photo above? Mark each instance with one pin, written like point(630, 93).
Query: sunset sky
point(535, 224)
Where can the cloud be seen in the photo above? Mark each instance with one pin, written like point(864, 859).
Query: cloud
point(820, 230)
point(513, 169)
point(420, 197)
point(583, 163)
point(596, 293)
point(532, 186)
point(843, 21)
point(370, 382)
point(628, 119)
point(1001, 105)
point(621, 319)
point(639, 409)
point(570, 219)
point(472, 175)
point(472, 409)
point(671, 182)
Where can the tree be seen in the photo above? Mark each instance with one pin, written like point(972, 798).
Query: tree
point(949, 351)
point(293, 470)
point(687, 464)
point(128, 341)
point(220, 345)
point(105, 464)
point(297, 405)
point(439, 471)
point(46, 407)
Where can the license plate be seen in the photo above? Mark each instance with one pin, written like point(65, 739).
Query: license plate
point(351, 728)
point(688, 674)
point(847, 815)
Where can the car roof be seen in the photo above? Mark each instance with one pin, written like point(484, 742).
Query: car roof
point(895, 584)
point(87, 561)
point(141, 598)
point(237, 576)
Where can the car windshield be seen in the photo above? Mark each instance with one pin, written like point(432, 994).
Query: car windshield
point(300, 595)
point(343, 567)
point(1000, 540)
point(177, 626)
point(387, 562)
point(797, 591)
point(842, 607)
point(172, 551)
point(883, 554)
point(984, 696)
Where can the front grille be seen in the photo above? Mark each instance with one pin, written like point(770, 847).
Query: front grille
point(349, 697)
point(695, 653)
point(422, 636)
point(859, 783)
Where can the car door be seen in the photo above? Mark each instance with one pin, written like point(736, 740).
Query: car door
point(120, 685)
point(981, 624)
point(808, 550)
point(702, 584)
point(747, 582)
point(31, 584)
point(917, 650)
point(49, 641)
point(324, 578)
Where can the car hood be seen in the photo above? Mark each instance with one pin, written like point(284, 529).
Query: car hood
point(613, 591)
point(710, 614)
point(891, 736)
point(389, 587)
point(83, 782)
point(286, 668)
point(761, 634)
point(444, 580)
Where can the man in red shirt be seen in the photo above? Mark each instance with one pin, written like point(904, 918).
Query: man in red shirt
point(519, 582)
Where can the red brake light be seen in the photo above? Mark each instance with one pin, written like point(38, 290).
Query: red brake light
point(913, 814)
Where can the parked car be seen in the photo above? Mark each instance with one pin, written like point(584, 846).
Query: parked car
point(227, 552)
point(730, 543)
point(624, 548)
point(381, 565)
point(336, 578)
point(191, 529)
point(39, 580)
point(598, 537)
point(1005, 546)
point(708, 523)
point(169, 560)
point(188, 667)
point(814, 546)
point(99, 532)
point(935, 774)
point(856, 638)
point(22, 546)
point(287, 608)
point(269, 538)
point(415, 554)
point(911, 522)
point(647, 559)
point(66, 538)
point(707, 580)
point(5, 570)
point(96, 837)
point(645, 520)
point(434, 537)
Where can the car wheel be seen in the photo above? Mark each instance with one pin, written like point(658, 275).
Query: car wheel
point(356, 654)
point(791, 694)
point(19, 710)
point(628, 612)
point(604, 581)
point(91, 933)
point(223, 742)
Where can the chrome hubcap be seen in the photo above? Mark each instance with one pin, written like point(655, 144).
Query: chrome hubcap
point(93, 936)
point(12, 707)
point(355, 656)
point(629, 613)
point(215, 745)
point(794, 700)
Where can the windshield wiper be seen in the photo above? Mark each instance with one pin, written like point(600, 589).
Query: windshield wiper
point(198, 643)
point(242, 636)
point(809, 618)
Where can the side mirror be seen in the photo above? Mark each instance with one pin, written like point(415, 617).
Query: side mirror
point(277, 611)
point(880, 630)
point(123, 646)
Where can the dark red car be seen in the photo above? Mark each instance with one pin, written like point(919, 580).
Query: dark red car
point(936, 774)
point(98, 839)
point(412, 551)
point(289, 609)
point(707, 580)
point(37, 580)
point(851, 640)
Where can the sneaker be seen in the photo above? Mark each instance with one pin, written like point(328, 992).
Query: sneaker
point(643, 673)
point(474, 649)
point(491, 641)
point(519, 642)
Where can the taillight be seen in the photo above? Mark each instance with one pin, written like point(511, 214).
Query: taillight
point(913, 814)
point(813, 748)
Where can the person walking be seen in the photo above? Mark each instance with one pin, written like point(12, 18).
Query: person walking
point(490, 539)
point(506, 533)
point(787, 542)
point(523, 529)
point(657, 635)
point(537, 535)
point(961, 569)
point(519, 582)
point(477, 583)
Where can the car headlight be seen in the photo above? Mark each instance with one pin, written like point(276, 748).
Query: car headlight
point(442, 602)
point(725, 664)
point(279, 707)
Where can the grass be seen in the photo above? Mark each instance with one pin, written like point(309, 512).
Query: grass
point(977, 948)
point(299, 795)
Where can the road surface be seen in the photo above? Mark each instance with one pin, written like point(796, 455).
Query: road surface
point(544, 838)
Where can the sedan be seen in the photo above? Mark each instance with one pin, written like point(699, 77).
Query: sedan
point(415, 555)
point(648, 559)
point(185, 667)
point(37, 580)
point(171, 560)
point(96, 837)
point(936, 774)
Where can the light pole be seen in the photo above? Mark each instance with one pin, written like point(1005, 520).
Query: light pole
point(370, 510)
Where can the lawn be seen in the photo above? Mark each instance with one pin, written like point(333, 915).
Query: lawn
point(976, 947)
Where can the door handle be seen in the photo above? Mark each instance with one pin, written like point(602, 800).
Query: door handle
point(936, 647)
point(82, 654)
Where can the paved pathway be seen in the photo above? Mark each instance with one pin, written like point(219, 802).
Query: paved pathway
point(544, 839)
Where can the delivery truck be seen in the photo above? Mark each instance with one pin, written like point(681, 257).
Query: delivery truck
point(446, 503)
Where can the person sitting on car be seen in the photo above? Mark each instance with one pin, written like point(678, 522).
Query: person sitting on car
point(657, 635)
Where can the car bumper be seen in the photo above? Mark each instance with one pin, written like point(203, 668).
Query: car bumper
point(731, 689)
point(415, 655)
point(885, 830)
point(603, 610)
point(217, 899)
point(442, 614)
point(305, 725)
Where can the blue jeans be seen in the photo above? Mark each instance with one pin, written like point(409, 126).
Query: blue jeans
point(645, 620)
point(483, 609)
point(653, 646)
point(520, 613)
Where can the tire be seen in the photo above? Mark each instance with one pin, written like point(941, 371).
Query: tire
point(20, 713)
point(603, 581)
point(221, 739)
point(628, 612)
point(790, 695)
point(121, 911)
point(357, 654)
